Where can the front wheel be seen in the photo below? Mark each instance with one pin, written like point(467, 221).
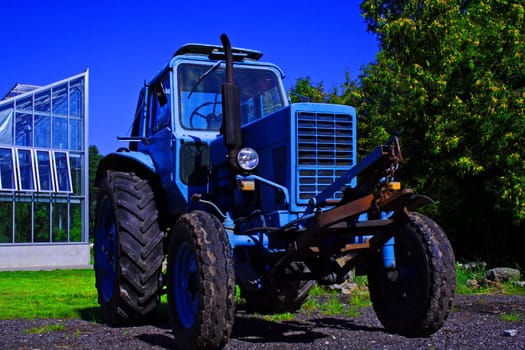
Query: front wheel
point(415, 299)
point(201, 284)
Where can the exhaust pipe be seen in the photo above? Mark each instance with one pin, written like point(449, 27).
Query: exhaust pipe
point(231, 107)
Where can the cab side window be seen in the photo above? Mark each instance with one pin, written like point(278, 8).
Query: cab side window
point(160, 104)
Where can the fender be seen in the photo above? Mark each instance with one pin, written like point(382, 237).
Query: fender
point(126, 161)
point(418, 200)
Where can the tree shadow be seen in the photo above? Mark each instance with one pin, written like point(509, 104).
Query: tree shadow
point(94, 314)
point(91, 314)
point(344, 324)
point(247, 328)
point(255, 329)
point(160, 340)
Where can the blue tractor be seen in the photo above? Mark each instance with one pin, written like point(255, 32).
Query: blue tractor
point(225, 183)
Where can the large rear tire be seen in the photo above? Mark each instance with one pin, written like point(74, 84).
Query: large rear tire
point(128, 249)
point(201, 282)
point(416, 298)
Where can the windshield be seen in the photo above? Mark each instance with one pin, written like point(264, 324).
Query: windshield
point(201, 100)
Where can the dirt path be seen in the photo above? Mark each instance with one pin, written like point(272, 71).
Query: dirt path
point(477, 322)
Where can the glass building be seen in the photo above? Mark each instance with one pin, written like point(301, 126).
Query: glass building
point(44, 174)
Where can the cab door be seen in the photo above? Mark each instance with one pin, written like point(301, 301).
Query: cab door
point(158, 139)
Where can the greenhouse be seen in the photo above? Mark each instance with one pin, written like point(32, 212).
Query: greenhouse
point(44, 175)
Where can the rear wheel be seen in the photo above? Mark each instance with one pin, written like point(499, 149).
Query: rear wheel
point(415, 299)
point(128, 249)
point(201, 284)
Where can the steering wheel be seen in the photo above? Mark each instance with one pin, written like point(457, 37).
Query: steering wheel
point(213, 119)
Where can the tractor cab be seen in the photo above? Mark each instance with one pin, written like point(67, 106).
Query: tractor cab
point(180, 112)
point(186, 95)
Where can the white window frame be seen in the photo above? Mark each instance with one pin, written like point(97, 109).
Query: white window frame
point(55, 171)
point(51, 167)
point(13, 168)
point(19, 171)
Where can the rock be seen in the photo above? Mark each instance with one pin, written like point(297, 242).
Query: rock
point(473, 284)
point(510, 332)
point(503, 274)
point(346, 288)
point(486, 283)
point(349, 288)
point(519, 283)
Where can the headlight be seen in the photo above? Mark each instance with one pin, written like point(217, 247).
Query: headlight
point(247, 159)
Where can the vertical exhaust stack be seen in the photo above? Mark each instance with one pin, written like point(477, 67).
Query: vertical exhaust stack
point(231, 109)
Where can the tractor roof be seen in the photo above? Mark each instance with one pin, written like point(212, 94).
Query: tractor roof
point(217, 52)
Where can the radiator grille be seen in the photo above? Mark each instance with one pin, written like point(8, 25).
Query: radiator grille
point(324, 151)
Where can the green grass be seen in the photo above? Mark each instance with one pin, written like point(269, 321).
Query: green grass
point(65, 294)
point(46, 329)
point(331, 302)
point(512, 317)
point(285, 316)
point(481, 286)
point(59, 294)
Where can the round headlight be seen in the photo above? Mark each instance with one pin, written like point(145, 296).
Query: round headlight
point(247, 159)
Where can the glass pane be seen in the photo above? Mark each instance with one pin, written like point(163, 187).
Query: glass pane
point(200, 98)
point(75, 134)
point(24, 122)
point(43, 119)
point(59, 132)
point(42, 131)
point(60, 100)
point(75, 161)
point(62, 172)
point(45, 179)
point(75, 229)
point(76, 98)
point(59, 222)
point(23, 222)
point(25, 105)
point(7, 174)
point(6, 224)
point(42, 220)
point(43, 103)
point(26, 171)
point(24, 129)
point(162, 113)
point(6, 124)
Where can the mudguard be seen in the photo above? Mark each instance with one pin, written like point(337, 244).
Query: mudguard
point(125, 161)
point(418, 200)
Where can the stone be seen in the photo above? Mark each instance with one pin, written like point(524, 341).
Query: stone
point(510, 332)
point(519, 283)
point(503, 274)
point(346, 288)
point(473, 284)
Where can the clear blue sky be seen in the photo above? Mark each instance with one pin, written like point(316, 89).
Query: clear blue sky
point(122, 43)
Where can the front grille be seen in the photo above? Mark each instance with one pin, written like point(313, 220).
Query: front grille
point(324, 151)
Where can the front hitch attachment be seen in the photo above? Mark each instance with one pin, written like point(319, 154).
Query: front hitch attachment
point(377, 168)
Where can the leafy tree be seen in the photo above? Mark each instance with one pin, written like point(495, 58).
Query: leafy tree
point(450, 80)
point(303, 91)
point(94, 159)
point(6, 227)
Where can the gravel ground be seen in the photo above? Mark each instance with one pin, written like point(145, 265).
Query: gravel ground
point(475, 323)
